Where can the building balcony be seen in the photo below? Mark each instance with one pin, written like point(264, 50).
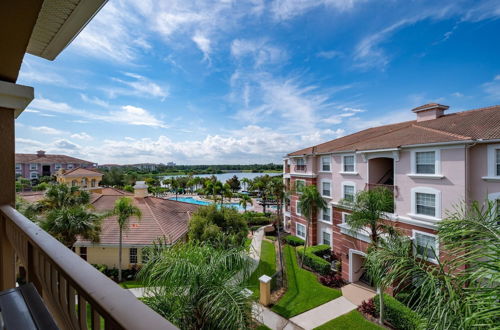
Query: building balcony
point(300, 168)
point(77, 295)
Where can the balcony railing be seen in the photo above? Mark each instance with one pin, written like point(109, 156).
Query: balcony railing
point(69, 286)
point(391, 188)
point(300, 168)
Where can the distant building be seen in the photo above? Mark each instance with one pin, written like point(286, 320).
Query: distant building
point(171, 164)
point(146, 166)
point(34, 166)
point(85, 178)
point(108, 166)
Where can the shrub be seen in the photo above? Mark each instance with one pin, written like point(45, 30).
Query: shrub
point(368, 307)
point(397, 314)
point(258, 221)
point(313, 258)
point(128, 188)
point(294, 241)
point(332, 280)
point(254, 228)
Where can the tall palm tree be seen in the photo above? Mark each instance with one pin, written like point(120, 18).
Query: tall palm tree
point(199, 286)
point(368, 208)
point(461, 291)
point(245, 200)
point(309, 202)
point(246, 182)
point(68, 223)
point(124, 210)
point(59, 196)
point(225, 192)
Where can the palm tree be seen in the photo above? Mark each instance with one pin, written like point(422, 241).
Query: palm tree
point(124, 210)
point(225, 192)
point(59, 196)
point(68, 223)
point(174, 185)
point(199, 286)
point(460, 292)
point(368, 208)
point(309, 202)
point(245, 200)
point(246, 182)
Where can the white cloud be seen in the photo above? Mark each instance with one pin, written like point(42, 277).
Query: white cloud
point(260, 50)
point(492, 88)
point(47, 130)
point(288, 9)
point(28, 143)
point(94, 100)
point(81, 136)
point(329, 54)
point(132, 115)
point(139, 86)
point(203, 44)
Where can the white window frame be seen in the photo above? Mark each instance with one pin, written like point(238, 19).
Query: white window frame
point(70, 166)
point(57, 166)
point(491, 161)
point(494, 197)
point(322, 211)
point(297, 224)
point(295, 183)
point(19, 166)
point(348, 183)
point(321, 188)
point(297, 208)
point(329, 233)
point(35, 175)
point(329, 164)
point(33, 166)
point(436, 249)
point(437, 164)
point(344, 217)
point(425, 190)
point(355, 164)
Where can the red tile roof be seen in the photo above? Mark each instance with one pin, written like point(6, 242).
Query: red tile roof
point(62, 159)
point(79, 171)
point(483, 123)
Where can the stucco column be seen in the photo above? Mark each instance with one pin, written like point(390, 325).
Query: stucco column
point(13, 99)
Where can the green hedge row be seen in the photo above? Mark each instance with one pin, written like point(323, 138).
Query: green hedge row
point(397, 314)
point(294, 240)
point(259, 221)
point(313, 258)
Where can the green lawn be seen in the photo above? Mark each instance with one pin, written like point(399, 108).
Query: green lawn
point(131, 284)
point(304, 290)
point(350, 321)
point(267, 266)
point(248, 242)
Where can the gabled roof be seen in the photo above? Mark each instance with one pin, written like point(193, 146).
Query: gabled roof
point(80, 171)
point(60, 159)
point(478, 124)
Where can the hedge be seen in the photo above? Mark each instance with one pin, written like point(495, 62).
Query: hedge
point(294, 240)
point(397, 314)
point(258, 221)
point(313, 258)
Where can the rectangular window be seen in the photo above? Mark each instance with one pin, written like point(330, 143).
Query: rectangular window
point(349, 193)
point(57, 166)
point(425, 245)
point(33, 175)
point(70, 166)
point(426, 204)
point(297, 209)
point(133, 256)
point(301, 230)
point(326, 215)
point(18, 166)
point(83, 252)
point(325, 163)
point(345, 217)
point(497, 163)
point(300, 164)
point(348, 163)
point(325, 189)
point(426, 162)
point(33, 167)
point(326, 238)
point(299, 185)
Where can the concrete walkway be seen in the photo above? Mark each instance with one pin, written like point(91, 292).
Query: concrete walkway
point(358, 292)
point(272, 320)
point(323, 313)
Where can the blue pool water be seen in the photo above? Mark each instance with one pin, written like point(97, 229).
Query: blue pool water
point(197, 201)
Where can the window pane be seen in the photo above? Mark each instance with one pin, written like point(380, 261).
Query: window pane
point(133, 256)
point(349, 193)
point(426, 245)
point(300, 161)
point(326, 214)
point(327, 238)
point(326, 189)
point(498, 161)
point(301, 230)
point(348, 163)
point(426, 162)
point(325, 164)
point(426, 204)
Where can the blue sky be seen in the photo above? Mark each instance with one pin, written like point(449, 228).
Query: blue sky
point(212, 82)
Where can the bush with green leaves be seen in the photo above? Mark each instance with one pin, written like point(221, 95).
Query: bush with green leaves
point(313, 258)
point(294, 240)
point(128, 188)
point(398, 315)
point(262, 221)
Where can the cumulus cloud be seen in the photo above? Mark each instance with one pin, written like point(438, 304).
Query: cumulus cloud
point(81, 136)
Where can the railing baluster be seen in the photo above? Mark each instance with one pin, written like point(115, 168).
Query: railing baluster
point(95, 318)
point(72, 305)
point(82, 312)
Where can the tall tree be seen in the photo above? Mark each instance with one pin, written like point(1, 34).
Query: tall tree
point(310, 201)
point(246, 182)
point(368, 209)
point(124, 210)
point(199, 286)
point(68, 223)
point(245, 200)
point(234, 183)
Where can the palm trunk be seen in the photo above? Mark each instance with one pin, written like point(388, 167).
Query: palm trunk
point(381, 303)
point(305, 245)
point(120, 258)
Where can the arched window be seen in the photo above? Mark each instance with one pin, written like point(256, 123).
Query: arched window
point(92, 183)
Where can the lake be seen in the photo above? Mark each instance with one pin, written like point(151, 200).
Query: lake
point(225, 176)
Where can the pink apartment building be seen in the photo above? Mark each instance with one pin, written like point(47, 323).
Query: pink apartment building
point(431, 164)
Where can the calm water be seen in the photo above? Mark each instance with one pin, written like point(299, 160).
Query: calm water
point(225, 176)
point(198, 202)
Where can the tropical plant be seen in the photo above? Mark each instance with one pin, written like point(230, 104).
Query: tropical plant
point(124, 210)
point(234, 183)
point(309, 202)
point(246, 182)
point(59, 196)
point(368, 209)
point(198, 286)
point(22, 184)
point(461, 291)
point(245, 200)
point(68, 223)
point(225, 192)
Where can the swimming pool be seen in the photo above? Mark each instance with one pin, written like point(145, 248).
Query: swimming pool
point(199, 202)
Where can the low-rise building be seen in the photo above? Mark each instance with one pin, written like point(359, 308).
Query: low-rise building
point(84, 178)
point(34, 166)
point(431, 164)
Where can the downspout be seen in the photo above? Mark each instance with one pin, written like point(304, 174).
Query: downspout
point(467, 171)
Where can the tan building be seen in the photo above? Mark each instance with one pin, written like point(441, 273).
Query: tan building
point(84, 178)
point(161, 218)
